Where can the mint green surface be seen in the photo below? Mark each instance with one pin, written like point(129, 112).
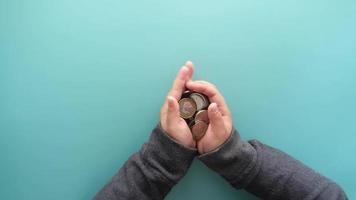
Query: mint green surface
point(82, 82)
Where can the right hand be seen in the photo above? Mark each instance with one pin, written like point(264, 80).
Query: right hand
point(220, 126)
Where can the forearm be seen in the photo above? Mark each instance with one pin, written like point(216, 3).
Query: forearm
point(268, 172)
point(151, 172)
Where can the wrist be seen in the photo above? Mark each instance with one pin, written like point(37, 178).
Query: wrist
point(232, 160)
point(167, 158)
point(212, 144)
point(179, 135)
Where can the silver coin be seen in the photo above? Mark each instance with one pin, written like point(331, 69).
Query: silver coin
point(199, 129)
point(200, 100)
point(202, 115)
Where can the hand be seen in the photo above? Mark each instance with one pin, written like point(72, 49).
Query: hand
point(171, 122)
point(220, 125)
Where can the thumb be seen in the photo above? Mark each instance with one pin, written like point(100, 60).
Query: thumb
point(173, 109)
point(216, 120)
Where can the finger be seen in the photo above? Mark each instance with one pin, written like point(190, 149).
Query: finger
point(172, 110)
point(215, 119)
point(189, 64)
point(179, 83)
point(211, 92)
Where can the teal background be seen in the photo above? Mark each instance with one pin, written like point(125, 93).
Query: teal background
point(82, 82)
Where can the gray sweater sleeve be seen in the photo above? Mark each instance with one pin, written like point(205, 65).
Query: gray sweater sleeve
point(151, 172)
point(267, 172)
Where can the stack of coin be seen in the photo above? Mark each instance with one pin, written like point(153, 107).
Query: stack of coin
point(193, 108)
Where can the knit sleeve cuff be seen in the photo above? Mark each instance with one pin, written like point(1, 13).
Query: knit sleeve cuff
point(234, 160)
point(172, 158)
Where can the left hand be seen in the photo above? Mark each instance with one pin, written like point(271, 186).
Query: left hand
point(171, 122)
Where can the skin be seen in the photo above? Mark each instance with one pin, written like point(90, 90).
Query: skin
point(220, 126)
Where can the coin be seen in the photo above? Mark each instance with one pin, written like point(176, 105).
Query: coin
point(187, 108)
point(202, 115)
point(200, 99)
point(191, 123)
point(186, 94)
point(199, 129)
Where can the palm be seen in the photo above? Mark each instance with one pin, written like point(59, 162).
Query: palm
point(211, 138)
point(183, 131)
point(178, 129)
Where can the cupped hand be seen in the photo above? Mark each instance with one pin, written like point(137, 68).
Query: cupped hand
point(171, 122)
point(220, 126)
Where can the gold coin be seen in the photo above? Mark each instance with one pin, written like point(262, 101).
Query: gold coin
point(187, 108)
point(199, 129)
point(202, 115)
point(200, 99)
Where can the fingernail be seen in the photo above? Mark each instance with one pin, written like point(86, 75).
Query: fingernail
point(170, 101)
point(183, 71)
point(214, 107)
